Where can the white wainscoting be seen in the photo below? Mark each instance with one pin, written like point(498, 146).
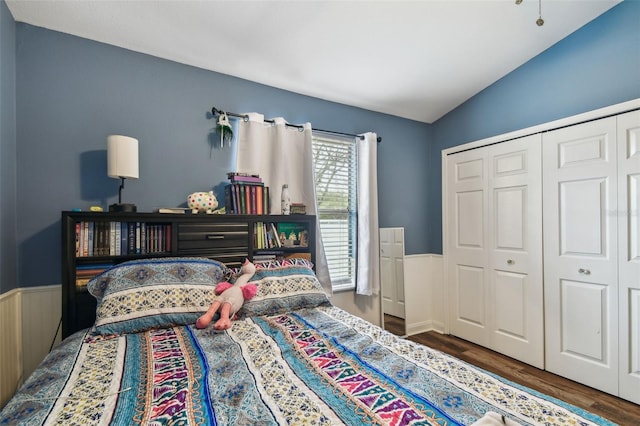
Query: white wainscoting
point(10, 344)
point(41, 313)
point(29, 319)
point(424, 293)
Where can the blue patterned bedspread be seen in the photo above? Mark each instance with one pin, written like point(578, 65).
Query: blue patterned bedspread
point(308, 366)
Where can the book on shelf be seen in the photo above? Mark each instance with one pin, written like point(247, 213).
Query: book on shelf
point(246, 179)
point(279, 255)
point(259, 202)
point(262, 258)
point(276, 235)
point(112, 239)
point(98, 239)
point(87, 238)
point(240, 174)
point(254, 200)
point(247, 199)
point(173, 210)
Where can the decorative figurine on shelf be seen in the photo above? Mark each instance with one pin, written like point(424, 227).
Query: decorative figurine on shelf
point(230, 299)
point(223, 127)
point(202, 202)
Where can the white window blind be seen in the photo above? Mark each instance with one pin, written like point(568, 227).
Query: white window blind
point(335, 179)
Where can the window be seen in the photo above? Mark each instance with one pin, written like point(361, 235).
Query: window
point(334, 160)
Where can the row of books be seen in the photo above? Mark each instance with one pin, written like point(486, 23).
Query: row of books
point(267, 235)
point(246, 194)
point(121, 238)
point(246, 198)
point(84, 273)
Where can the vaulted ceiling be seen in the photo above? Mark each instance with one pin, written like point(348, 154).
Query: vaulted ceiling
point(413, 59)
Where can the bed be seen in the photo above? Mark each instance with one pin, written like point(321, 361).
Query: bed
point(291, 357)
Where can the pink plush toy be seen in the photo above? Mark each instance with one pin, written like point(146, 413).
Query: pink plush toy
point(230, 299)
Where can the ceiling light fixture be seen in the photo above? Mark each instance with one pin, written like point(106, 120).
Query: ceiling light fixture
point(539, 21)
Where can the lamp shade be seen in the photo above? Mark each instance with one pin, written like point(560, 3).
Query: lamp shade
point(122, 157)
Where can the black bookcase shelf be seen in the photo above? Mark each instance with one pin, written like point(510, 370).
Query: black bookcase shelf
point(227, 238)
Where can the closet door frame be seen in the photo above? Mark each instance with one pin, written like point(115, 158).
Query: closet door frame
point(567, 121)
point(463, 146)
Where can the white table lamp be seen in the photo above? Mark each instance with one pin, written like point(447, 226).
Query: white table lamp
point(122, 163)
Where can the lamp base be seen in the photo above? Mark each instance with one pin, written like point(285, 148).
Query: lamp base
point(129, 208)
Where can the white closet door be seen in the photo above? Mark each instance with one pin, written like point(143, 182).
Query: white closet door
point(494, 248)
point(515, 243)
point(580, 253)
point(467, 251)
point(629, 253)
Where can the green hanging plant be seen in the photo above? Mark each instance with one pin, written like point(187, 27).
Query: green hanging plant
point(224, 129)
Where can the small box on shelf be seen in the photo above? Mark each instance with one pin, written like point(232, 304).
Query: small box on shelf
point(298, 208)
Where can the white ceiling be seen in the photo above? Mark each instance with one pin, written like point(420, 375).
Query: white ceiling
point(413, 59)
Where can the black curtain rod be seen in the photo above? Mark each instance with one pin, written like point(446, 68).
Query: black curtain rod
point(215, 111)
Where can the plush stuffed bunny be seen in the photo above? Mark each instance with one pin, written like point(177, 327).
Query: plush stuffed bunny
point(230, 299)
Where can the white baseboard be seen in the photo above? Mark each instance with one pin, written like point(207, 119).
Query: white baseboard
point(418, 327)
point(424, 326)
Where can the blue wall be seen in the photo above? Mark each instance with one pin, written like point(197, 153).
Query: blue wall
point(70, 93)
point(596, 66)
point(7, 150)
point(73, 92)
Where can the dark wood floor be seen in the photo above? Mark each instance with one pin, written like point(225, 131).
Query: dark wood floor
point(394, 325)
point(614, 409)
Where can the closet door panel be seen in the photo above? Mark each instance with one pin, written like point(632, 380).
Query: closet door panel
point(584, 310)
point(510, 218)
point(471, 290)
point(511, 296)
point(580, 253)
point(515, 250)
point(470, 218)
point(583, 224)
point(467, 259)
point(629, 253)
